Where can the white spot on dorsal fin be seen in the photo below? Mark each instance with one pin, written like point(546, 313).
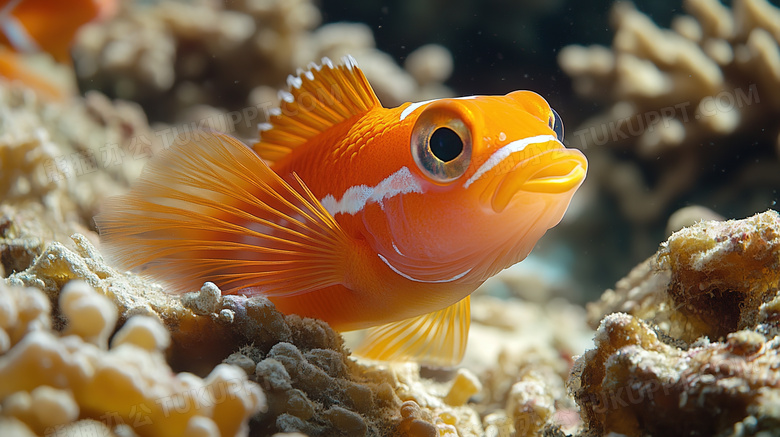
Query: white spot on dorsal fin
point(326, 62)
point(349, 62)
point(262, 127)
point(275, 111)
point(295, 81)
point(314, 66)
point(287, 97)
point(355, 198)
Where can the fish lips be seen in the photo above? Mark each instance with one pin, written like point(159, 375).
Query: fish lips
point(553, 172)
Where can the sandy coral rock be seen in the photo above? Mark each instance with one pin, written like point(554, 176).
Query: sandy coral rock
point(723, 271)
point(413, 423)
point(708, 362)
point(428, 395)
point(529, 406)
point(634, 384)
point(205, 301)
point(58, 265)
point(712, 278)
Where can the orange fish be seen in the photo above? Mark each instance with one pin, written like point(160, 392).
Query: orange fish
point(366, 216)
point(32, 26)
point(48, 25)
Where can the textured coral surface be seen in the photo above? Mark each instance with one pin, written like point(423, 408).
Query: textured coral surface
point(692, 349)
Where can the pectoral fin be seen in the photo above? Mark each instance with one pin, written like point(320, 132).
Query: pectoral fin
point(437, 338)
point(209, 209)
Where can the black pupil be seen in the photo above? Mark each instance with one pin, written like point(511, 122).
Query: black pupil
point(446, 144)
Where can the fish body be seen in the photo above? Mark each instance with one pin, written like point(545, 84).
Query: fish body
point(366, 217)
point(48, 25)
point(35, 26)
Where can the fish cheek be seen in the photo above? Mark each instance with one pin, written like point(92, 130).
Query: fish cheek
point(386, 225)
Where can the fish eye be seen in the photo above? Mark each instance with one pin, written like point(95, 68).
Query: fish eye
point(445, 144)
point(556, 124)
point(441, 146)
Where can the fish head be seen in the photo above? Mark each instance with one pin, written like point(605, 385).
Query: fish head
point(494, 176)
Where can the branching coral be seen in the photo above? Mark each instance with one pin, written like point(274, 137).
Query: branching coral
point(715, 74)
point(177, 55)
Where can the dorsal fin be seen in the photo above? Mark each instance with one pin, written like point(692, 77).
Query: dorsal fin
point(318, 98)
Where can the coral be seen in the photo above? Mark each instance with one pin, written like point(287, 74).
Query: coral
point(57, 265)
point(311, 382)
point(714, 76)
point(91, 319)
point(314, 387)
point(687, 343)
point(68, 157)
point(709, 279)
point(173, 56)
point(464, 386)
point(635, 384)
point(688, 216)
point(49, 380)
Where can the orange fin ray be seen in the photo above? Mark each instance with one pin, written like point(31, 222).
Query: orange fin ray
point(437, 338)
point(209, 209)
point(318, 99)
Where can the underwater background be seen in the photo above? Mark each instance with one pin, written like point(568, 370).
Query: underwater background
point(614, 323)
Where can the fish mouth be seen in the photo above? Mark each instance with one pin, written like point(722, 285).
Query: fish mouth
point(555, 171)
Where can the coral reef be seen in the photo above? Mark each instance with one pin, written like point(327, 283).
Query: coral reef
point(714, 75)
point(311, 382)
point(174, 56)
point(68, 157)
point(51, 380)
point(684, 344)
point(710, 279)
point(523, 359)
point(689, 341)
